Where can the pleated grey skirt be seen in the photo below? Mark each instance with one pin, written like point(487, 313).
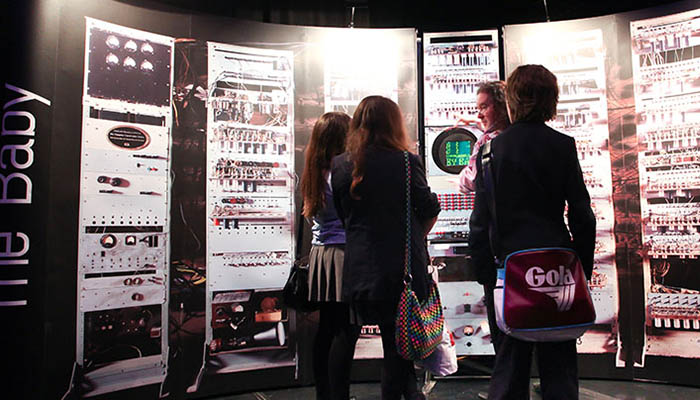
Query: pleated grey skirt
point(326, 272)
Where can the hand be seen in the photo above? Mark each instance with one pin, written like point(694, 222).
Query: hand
point(470, 121)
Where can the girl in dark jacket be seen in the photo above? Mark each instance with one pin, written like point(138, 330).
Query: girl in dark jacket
point(369, 192)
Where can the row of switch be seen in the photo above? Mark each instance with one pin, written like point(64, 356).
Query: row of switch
point(456, 201)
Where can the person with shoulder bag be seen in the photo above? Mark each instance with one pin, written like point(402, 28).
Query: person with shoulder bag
point(526, 178)
point(335, 340)
point(370, 183)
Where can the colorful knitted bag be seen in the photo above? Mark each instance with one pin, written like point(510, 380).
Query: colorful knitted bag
point(418, 326)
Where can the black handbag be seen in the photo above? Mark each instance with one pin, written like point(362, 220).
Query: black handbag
point(296, 291)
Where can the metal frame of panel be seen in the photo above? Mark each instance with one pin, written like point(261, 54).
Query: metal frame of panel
point(123, 267)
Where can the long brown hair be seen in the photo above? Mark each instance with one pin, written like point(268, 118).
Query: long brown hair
point(377, 121)
point(327, 141)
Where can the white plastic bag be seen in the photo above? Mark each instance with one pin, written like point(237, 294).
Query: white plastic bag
point(443, 361)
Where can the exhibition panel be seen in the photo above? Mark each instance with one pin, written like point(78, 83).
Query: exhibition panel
point(354, 70)
point(124, 208)
point(454, 64)
point(250, 208)
point(333, 69)
point(358, 63)
point(149, 227)
point(666, 61)
point(579, 58)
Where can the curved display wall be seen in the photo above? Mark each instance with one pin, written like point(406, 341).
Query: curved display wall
point(628, 94)
point(150, 163)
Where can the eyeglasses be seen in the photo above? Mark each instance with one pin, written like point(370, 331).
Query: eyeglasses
point(483, 107)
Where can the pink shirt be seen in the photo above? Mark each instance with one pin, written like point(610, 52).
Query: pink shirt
point(468, 174)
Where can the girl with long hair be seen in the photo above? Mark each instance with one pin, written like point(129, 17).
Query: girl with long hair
point(369, 189)
point(335, 340)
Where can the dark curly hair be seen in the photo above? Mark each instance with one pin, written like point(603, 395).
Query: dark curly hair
point(496, 90)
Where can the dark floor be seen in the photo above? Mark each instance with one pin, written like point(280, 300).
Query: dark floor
point(469, 388)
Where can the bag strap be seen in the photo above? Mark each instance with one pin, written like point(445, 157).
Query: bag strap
point(490, 187)
point(300, 231)
point(407, 257)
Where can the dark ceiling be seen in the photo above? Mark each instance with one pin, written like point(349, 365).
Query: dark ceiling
point(427, 16)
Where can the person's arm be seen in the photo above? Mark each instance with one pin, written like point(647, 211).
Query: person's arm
point(428, 225)
point(582, 223)
point(425, 203)
point(470, 121)
point(479, 225)
point(468, 173)
point(337, 187)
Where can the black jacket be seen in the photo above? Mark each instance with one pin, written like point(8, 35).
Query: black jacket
point(536, 173)
point(375, 224)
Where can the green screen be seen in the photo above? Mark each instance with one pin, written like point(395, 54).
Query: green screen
point(457, 153)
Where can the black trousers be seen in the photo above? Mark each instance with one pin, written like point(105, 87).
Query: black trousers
point(556, 362)
point(333, 351)
point(496, 334)
point(398, 374)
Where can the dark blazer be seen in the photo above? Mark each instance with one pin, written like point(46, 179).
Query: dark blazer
point(536, 173)
point(375, 224)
